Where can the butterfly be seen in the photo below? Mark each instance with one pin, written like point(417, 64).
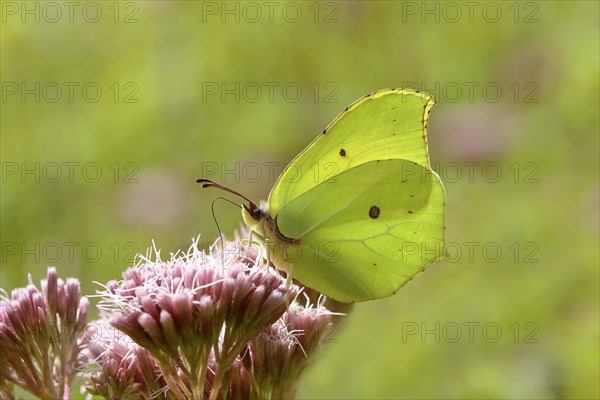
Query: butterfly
point(359, 212)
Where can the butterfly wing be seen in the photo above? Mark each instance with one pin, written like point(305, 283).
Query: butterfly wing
point(387, 124)
point(366, 232)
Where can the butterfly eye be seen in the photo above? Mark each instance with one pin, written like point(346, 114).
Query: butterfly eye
point(257, 214)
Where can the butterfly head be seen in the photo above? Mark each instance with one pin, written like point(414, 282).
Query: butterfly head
point(254, 216)
point(257, 213)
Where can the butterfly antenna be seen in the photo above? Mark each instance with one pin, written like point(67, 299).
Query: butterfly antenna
point(212, 208)
point(208, 183)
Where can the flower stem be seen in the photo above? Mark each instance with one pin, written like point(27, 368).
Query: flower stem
point(216, 388)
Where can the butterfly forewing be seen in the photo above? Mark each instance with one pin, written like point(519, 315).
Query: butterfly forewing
point(388, 124)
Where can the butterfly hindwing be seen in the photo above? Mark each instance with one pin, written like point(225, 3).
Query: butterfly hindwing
point(361, 233)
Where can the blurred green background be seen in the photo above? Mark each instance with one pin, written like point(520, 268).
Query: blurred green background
point(110, 111)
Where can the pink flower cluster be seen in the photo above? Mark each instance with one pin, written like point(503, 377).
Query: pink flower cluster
point(41, 337)
point(196, 326)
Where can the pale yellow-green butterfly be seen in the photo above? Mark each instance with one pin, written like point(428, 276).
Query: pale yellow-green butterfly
point(359, 212)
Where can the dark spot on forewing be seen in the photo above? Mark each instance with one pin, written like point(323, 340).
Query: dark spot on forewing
point(374, 212)
point(342, 152)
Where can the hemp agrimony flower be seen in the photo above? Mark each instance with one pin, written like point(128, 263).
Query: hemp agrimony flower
point(222, 325)
point(194, 308)
point(279, 354)
point(41, 337)
point(125, 370)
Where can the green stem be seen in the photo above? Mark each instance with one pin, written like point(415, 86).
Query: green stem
point(216, 388)
point(175, 387)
